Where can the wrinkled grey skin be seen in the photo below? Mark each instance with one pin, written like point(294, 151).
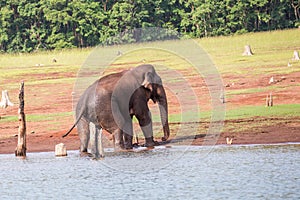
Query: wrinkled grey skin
point(112, 101)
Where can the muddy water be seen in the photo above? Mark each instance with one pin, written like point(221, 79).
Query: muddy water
point(180, 172)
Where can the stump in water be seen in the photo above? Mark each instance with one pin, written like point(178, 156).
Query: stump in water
point(247, 51)
point(60, 150)
point(21, 147)
point(296, 55)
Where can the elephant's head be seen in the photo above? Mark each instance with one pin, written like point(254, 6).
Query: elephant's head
point(153, 83)
point(130, 82)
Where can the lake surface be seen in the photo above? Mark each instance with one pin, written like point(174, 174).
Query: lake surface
point(179, 172)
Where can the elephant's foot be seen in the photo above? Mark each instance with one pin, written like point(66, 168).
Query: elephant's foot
point(128, 142)
point(85, 154)
point(136, 145)
point(128, 146)
point(118, 148)
point(150, 142)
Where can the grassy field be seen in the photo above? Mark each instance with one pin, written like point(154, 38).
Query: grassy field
point(272, 53)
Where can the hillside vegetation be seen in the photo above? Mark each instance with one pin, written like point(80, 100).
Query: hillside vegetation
point(27, 26)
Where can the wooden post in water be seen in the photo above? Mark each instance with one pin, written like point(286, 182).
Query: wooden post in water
point(21, 147)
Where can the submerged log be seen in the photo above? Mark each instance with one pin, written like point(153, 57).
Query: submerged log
point(21, 147)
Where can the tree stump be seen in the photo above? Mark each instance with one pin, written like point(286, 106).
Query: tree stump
point(21, 147)
point(247, 51)
point(296, 55)
point(60, 150)
point(269, 100)
point(5, 101)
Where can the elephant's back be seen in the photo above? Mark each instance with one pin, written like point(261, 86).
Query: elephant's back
point(108, 82)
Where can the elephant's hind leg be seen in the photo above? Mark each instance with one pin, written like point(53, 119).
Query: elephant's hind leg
point(118, 139)
point(84, 134)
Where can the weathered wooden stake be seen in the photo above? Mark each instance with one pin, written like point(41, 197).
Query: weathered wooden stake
point(21, 147)
point(267, 101)
point(271, 100)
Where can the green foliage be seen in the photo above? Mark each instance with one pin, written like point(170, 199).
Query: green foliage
point(31, 25)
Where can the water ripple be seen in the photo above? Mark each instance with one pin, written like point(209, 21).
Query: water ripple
point(234, 172)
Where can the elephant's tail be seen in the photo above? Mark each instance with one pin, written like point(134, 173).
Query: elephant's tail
point(69, 130)
point(74, 124)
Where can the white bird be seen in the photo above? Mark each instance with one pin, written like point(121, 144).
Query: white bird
point(271, 80)
point(228, 140)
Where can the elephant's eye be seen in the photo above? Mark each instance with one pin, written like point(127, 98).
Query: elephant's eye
point(159, 92)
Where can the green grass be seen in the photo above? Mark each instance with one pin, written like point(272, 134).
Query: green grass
point(70, 57)
point(267, 89)
point(39, 68)
point(272, 51)
point(286, 110)
point(37, 117)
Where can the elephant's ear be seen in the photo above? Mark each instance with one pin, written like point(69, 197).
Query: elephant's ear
point(148, 80)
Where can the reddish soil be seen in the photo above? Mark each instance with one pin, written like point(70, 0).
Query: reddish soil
point(43, 135)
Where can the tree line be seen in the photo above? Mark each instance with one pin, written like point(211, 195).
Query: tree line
point(31, 25)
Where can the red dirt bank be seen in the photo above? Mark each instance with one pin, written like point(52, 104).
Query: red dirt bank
point(41, 138)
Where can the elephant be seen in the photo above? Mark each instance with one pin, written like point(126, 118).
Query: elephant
point(111, 102)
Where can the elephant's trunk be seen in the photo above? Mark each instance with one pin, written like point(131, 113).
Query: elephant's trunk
point(163, 108)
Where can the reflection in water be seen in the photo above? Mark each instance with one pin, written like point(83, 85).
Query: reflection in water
point(180, 172)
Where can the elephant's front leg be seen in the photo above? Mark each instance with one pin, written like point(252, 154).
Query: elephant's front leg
point(128, 134)
point(145, 122)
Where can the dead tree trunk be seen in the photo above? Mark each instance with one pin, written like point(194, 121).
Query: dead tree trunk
point(21, 147)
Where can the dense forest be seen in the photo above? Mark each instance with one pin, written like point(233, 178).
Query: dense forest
point(31, 25)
